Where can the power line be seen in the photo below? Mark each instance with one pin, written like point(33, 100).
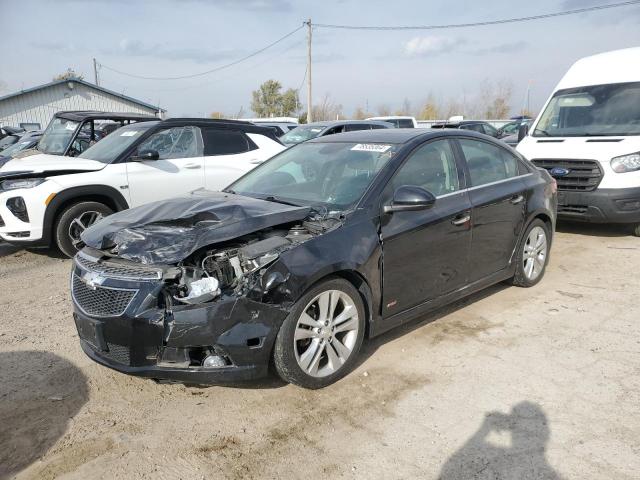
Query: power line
point(217, 69)
point(481, 24)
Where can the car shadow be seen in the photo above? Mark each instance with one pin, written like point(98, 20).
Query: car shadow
point(369, 347)
point(506, 446)
point(7, 249)
point(39, 394)
point(594, 229)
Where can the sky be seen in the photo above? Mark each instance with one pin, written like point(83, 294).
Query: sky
point(355, 68)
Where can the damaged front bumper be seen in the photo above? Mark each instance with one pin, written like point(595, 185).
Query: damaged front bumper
point(124, 324)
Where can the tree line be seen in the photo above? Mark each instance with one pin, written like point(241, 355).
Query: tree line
point(492, 100)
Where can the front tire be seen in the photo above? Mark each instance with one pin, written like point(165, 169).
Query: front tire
point(533, 255)
point(74, 220)
point(320, 339)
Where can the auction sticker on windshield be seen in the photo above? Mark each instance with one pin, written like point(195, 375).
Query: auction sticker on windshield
point(371, 147)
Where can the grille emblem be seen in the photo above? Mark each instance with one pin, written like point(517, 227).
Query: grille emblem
point(92, 280)
point(559, 172)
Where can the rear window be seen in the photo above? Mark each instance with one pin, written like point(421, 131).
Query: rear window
point(225, 142)
point(405, 123)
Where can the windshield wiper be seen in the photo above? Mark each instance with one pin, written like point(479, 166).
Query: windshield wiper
point(271, 198)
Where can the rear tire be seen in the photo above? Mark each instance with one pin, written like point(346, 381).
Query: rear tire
point(533, 255)
point(73, 221)
point(314, 349)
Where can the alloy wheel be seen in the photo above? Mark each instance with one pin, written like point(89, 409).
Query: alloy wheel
point(535, 253)
point(326, 333)
point(80, 224)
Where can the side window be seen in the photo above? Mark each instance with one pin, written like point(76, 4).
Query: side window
point(488, 163)
point(352, 127)
point(432, 167)
point(176, 142)
point(489, 130)
point(219, 141)
point(375, 126)
point(334, 130)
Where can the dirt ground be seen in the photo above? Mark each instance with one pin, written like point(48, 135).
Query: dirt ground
point(508, 384)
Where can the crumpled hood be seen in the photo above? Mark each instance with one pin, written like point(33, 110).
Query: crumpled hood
point(168, 231)
point(38, 164)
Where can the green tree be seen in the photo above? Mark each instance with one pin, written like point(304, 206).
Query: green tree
point(268, 101)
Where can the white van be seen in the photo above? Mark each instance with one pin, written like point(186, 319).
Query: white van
point(588, 137)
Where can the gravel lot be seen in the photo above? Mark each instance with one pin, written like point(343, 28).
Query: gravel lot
point(508, 384)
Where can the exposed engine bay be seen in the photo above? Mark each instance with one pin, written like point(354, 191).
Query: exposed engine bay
point(226, 268)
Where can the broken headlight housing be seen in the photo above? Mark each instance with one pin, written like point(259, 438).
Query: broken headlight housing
point(626, 163)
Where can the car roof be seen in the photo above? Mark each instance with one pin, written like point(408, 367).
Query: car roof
point(393, 135)
point(80, 115)
point(334, 123)
point(223, 123)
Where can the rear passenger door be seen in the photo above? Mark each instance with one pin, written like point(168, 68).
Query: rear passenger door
point(228, 154)
point(498, 200)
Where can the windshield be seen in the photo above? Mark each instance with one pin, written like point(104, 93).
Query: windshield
point(302, 134)
point(57, 136)
point(597, 110)
point(110, 147)
point(333, 175)
point(16, 147)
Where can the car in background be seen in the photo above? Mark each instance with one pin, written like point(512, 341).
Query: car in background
point(320, 129)
point(512, 128)
point(280, 128)
point(511, 140)
point(50, 200)
point(28, 140)
point(400, 121)
point(70, 133)
point(294, 270)
point(9, 136)
point(473, 125)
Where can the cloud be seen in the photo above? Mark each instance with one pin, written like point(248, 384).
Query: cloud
point(137, 48)
point(432, 45)
point(509, 47)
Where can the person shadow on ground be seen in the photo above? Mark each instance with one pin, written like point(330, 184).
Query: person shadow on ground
point(480, 458)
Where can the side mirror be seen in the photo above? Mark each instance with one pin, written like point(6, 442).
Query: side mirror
point(408, 198)
point(523, 130)
point(146, 155)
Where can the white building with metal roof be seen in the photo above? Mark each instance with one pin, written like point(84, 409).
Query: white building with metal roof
point(33, 108)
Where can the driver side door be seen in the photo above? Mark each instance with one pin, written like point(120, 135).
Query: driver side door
point(426, 252)
point(179, 169)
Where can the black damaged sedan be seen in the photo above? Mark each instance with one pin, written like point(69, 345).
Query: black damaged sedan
point(334, 240)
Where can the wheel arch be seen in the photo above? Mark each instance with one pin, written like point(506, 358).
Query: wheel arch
point(86, 193)
point(358, 281)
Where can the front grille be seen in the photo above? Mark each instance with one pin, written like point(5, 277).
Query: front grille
point(118, 353)
point(101, 302)
point(584, 175)
point(119, 270)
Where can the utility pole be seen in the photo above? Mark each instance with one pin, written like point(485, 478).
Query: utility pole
point(95, 72)
point(309, 102)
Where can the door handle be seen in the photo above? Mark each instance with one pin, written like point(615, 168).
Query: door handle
point(516, 199)
point(461, 220)
point(256, 162)
point(192, 166)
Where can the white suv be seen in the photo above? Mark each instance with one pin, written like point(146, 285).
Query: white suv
point(49, 199)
